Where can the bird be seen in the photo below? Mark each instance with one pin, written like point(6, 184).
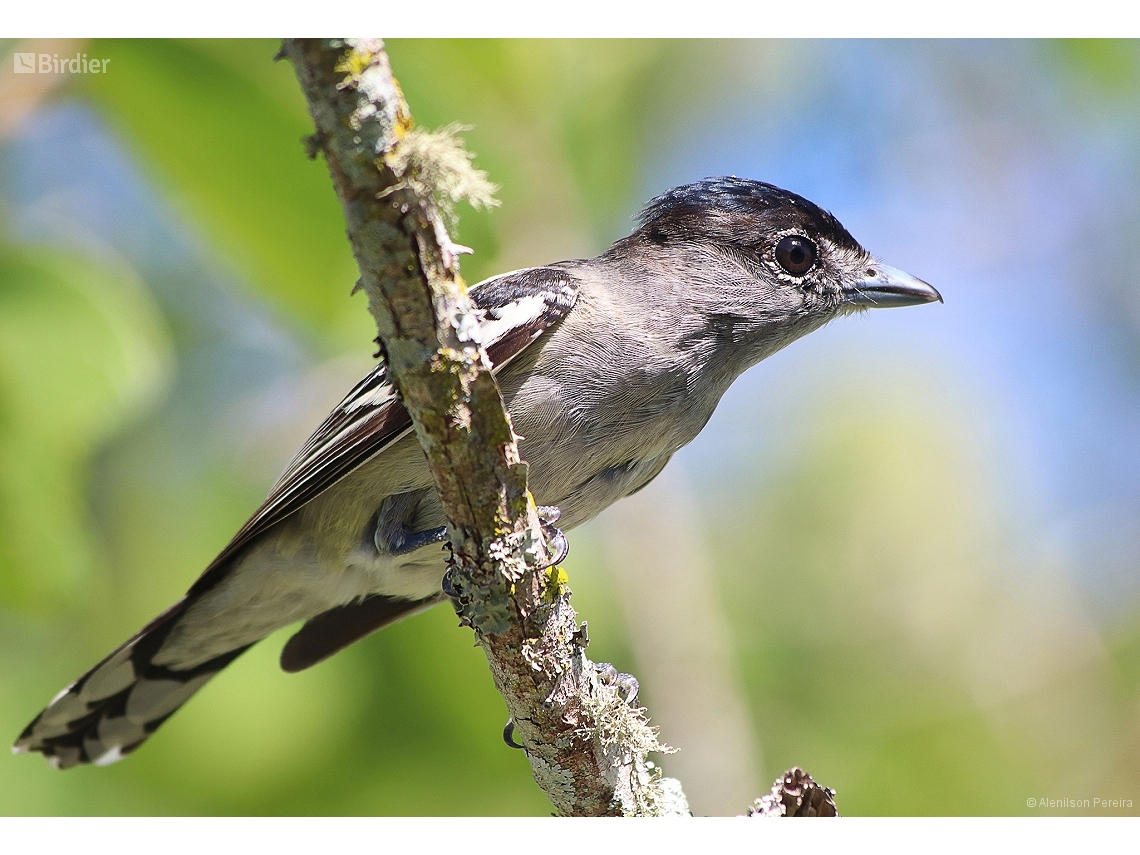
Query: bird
point(607, 365)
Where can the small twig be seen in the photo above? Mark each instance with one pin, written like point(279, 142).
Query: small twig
point(795, 794)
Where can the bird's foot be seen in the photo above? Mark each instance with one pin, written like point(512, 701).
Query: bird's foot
point(406, 541)
point(556, 542)
point(626, 684)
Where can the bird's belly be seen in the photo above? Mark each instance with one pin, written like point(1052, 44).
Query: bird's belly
point(414, 576)
point(272, 587)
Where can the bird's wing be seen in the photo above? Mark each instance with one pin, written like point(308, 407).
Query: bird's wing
point(110, 710)
point(516, 309)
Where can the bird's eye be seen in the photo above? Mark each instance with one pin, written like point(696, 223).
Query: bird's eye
point(795, 254)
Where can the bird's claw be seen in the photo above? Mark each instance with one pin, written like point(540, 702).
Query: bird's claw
point(626, 684)
point(556, 542)
point(449, 585)
point(509, 735)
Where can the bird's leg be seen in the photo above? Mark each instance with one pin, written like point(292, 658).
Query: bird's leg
point(394, 519)
point(626, 684)
point(555, 540)
point(413, 541)
point(397, 540)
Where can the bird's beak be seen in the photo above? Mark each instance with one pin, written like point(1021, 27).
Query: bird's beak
point(891, 287)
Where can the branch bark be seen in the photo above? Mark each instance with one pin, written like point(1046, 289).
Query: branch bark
point(587, 747)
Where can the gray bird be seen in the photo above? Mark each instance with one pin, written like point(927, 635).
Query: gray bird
point(608, 366)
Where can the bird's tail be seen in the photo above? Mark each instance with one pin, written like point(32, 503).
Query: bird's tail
point(111, 710)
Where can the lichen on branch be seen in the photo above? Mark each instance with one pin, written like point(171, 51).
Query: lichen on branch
point(436, 166)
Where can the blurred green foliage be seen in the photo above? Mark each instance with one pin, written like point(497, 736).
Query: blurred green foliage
point(875, 631)
point(82, 350)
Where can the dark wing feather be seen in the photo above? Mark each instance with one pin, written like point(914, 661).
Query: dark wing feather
point(332, 631)
point(517, 308)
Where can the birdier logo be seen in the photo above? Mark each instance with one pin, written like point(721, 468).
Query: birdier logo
point(53, 63)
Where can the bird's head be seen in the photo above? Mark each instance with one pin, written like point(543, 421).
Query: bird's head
point(772, 264)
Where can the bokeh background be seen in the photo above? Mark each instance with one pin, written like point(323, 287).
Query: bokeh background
point(904, 554)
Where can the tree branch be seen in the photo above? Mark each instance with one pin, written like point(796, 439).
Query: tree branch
point(586, 746)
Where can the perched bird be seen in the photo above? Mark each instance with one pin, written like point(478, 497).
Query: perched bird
point(607, 365)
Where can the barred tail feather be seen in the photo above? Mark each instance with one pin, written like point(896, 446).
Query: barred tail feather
point(111, 710)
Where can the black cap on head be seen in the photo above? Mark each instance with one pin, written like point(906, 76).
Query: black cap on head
point(736, 211)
